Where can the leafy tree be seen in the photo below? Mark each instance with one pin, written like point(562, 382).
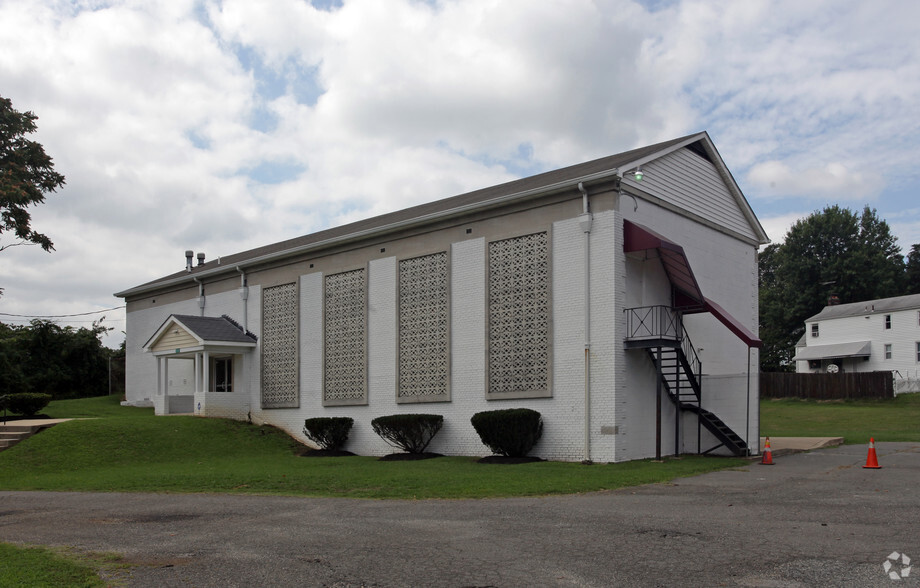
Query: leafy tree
point(45, 358)
point(832, 251)
point(26, 176)
point(913, 269)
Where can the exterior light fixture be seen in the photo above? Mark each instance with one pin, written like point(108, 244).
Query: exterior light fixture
point(635, 173)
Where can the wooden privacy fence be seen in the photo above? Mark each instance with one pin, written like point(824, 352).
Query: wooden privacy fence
point(827, 386)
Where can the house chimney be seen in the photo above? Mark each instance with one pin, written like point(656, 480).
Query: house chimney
point(200, 259)
point(833, 300)
point(188, 259)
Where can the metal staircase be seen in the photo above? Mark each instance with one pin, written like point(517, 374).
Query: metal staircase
point(659, 330)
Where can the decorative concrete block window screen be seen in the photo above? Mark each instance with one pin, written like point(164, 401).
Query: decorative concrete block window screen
point(345, 338)
point(519, 317)
point(424, 336)
point(279, 347)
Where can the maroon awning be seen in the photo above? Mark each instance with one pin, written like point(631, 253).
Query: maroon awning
point(638, 238)
point(688, 297)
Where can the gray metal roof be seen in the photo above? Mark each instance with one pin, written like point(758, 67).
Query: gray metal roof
point(210, 329)
point(526, 187)
point(909, 302)
point(834, 351)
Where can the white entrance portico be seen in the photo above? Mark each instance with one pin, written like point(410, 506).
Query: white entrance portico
point(209, 351)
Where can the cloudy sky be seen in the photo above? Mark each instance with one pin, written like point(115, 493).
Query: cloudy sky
point(221, 125)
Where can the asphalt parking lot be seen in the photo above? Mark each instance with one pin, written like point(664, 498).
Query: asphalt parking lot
point(812, 519)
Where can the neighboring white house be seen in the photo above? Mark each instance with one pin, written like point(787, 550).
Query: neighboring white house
point(870, 336)
point(623, 308)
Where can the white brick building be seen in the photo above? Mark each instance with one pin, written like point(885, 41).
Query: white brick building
point(868, 336)
point(575, 293)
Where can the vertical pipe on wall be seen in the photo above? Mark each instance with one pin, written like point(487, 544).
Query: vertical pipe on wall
point(200, 296)
point(587, 219)
point(747, 412)
point(658, 406)
point(244, 294)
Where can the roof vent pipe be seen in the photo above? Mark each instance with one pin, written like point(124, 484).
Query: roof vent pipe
point(200, 259)
point(188, 259)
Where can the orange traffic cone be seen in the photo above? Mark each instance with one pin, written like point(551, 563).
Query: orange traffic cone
point(767, 454)
point(872, 459)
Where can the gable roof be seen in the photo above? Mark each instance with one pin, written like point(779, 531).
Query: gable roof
point(909, 302)
point(206, 330)
point(556, 181)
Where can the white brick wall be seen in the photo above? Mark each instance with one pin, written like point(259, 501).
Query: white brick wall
point(140, 370)
point(726, 270)
point(563, 437)
point(622, 415)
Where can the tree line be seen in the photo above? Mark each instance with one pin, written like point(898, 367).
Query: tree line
point(43, 357)
point(835, 251)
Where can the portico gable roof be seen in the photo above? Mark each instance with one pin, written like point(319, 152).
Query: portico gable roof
point(185, 333)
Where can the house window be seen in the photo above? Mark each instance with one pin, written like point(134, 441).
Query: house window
point(814, 330)
point(887, 321)
point(519, 317)
point(887, 350)
point(223, 374)
point(279, 347)
point(918, 351)
point(424, 337)
point(345, 338)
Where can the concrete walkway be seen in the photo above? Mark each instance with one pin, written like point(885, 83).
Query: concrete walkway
point(787, 445)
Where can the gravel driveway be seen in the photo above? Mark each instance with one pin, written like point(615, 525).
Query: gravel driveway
point(811, 519)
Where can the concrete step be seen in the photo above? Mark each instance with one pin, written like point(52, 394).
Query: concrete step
point(12, 434)
point(19, 429)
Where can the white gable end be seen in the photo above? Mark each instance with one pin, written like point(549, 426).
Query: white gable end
point(690, 182)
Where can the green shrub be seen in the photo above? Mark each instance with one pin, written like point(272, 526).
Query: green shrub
point(27, 403)
point(330, 433)
point(511, 432)
point(410, 432)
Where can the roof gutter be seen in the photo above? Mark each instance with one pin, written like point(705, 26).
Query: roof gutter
point(390, 228)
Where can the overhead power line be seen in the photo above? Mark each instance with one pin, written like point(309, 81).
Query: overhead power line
point(61, 315)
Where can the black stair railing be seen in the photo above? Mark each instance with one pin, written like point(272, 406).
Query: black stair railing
point(653, 322)
point(660, 330)
point(694, 366)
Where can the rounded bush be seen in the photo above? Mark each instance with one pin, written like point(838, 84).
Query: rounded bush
point(510, 432)
point(410, 432)
point(330, 433)
point(27, 403)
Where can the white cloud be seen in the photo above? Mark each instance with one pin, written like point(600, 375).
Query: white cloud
point(834, 181)
point(161, 113)
point(777, 227)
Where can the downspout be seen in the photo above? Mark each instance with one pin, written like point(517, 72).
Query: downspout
point(586, 220)
point(200, 296)
point(244, 294)
point(747, 412)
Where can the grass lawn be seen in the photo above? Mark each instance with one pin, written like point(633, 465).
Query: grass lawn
point(895, 419)
point(128, 449)
point(52, 568)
